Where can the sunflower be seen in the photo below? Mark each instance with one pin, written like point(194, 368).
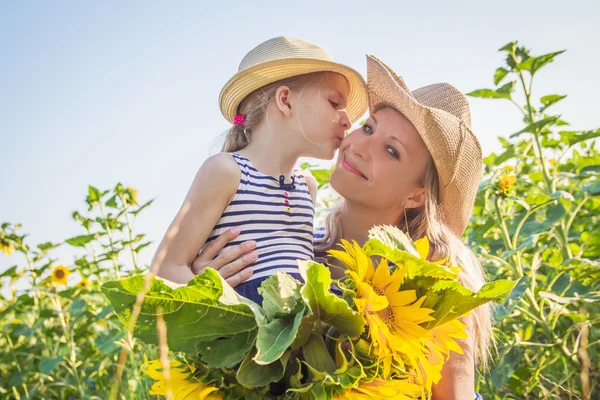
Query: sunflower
point(379, 389)
point(180, 387)
point(393, 316)
point(84, 283)
point(7, 248)
point(130, 195)
point(60, 274)
point(506, 182)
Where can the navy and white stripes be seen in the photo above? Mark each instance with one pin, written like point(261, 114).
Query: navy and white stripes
point(279, 220)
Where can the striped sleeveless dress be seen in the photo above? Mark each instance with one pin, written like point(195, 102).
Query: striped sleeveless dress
point(277, 215)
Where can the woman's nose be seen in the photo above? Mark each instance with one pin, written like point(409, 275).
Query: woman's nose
point(360, 147)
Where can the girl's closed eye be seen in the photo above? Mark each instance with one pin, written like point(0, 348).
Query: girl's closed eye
point(393, 152)
point(334, 104)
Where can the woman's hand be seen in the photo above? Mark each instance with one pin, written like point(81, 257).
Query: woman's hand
point(232, 263)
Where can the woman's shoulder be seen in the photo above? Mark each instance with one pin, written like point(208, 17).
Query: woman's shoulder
point(319, 233)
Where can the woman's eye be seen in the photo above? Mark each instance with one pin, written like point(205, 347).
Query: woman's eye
point(334, 104)
point(367, 129)
point(393, 153)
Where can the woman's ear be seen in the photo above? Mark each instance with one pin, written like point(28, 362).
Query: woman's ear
point(416, 199)
point(282, 100)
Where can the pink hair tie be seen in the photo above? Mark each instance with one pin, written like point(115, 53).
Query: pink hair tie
point(239, 119)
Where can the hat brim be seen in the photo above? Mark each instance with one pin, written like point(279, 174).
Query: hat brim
point(438, 129)
point(245, 82)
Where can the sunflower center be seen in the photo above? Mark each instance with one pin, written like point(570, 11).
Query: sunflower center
point(387, 314)
point(59, 273)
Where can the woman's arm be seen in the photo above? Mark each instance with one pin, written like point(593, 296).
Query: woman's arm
point(212, 189)
point(458, 373)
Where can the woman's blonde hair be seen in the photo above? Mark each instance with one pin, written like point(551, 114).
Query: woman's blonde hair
point(425, 221)
point(254, 109)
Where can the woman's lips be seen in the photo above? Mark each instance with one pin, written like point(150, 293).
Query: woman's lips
point(349, 166)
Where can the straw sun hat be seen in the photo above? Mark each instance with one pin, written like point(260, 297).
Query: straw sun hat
point(281, 58)
point(440, 113)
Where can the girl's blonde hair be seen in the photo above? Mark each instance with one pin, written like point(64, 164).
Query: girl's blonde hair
point(254, 108)
point(425, 221)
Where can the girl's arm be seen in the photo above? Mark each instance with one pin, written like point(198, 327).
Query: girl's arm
point(213, 187)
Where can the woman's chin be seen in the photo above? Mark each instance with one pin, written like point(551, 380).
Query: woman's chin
point(341, 182)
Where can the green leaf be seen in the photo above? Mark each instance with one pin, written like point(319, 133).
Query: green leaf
point(316, 355)
point(324, 305)
point(47, 365)
point(78, 307)
point(141, 247)
point(554, 213)
point(112, 202)
point(451, 300)
point(510, 152)
point(415, 267)
point(509, 47)
point(593, 188)
point(500, 75)
point(536, 126)
point(572, 138)
point(275, 337)
point(588, 298)
point(503, 92)
point(549, 100)
point(206, 309)
point(534, 64)
point(81, 241)
point(251, 374)
point(93, 194)
point(108, 344)
point(281, 295)
point(590, 170)
point(47, 246)
point(11, 273)
point(322, 175)
point(507, 89)
point(513, 299)
point(394, 238)
point(285, 308)
point(506, 366)
point(226, 352)
point(143, 206)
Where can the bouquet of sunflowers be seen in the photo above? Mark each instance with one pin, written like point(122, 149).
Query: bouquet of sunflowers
point(386, 337)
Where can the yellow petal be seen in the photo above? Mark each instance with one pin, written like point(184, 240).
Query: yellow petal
point(422, 246)
point(381, 277)
point(403, 298)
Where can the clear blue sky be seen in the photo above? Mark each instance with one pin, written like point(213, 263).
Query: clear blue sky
point(101, 92)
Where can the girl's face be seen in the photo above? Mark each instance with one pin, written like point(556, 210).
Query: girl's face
point(319, 110)
point(382, 164)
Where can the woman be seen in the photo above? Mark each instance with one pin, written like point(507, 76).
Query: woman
point(415, 164)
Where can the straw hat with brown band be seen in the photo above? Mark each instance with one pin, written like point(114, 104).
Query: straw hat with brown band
point(441, 115)
point(283, 57)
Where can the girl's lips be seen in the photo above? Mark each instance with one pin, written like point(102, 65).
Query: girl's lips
point(349, 166)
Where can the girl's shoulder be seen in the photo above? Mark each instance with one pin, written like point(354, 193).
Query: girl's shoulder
point(219, 173)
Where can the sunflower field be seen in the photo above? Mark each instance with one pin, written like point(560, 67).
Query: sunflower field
point(536, 222)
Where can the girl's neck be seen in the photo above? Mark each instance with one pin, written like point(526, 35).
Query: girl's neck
point(356, 220)
point(270, 152)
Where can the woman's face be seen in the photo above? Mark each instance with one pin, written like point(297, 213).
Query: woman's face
point(382, 164)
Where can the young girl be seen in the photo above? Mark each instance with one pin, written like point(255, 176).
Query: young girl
point(288, 100)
